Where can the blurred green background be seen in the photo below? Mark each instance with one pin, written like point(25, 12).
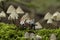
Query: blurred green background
point(41, 5)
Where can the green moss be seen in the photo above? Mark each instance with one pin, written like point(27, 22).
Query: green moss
point(11, 32)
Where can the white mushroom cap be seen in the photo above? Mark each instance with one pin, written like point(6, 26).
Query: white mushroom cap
point(53, 37)
point(2, 14)
point(11, 9)
point(38, 25)
point(56, 13)
point(13, 16)
point(32, 35)
point(56, 16)
point(47, 16)
point(19, 10)
point(49, 21)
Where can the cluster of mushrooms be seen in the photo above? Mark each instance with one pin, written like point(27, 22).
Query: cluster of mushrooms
point(14, 14)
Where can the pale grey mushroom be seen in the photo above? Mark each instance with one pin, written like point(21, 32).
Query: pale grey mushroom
point(49, 21)
point(47, 16)
point(53, 37)
point(38, 25)
point(26, 35)
point(19, 10)
point(11, 9)
point(38, 37)
point(13, 16)
point(56, 16)
point(32, 36)
point(2, 14)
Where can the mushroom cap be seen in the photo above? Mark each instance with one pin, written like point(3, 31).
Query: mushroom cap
point(47, 16)
point(13, 16)
point(11, 9)
point(26, 35)
point(19, 10)
point(56, 16)
point(32, 35)
point(38, 25)
point(49, 21)
point(53, 37)
point(2, 14)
